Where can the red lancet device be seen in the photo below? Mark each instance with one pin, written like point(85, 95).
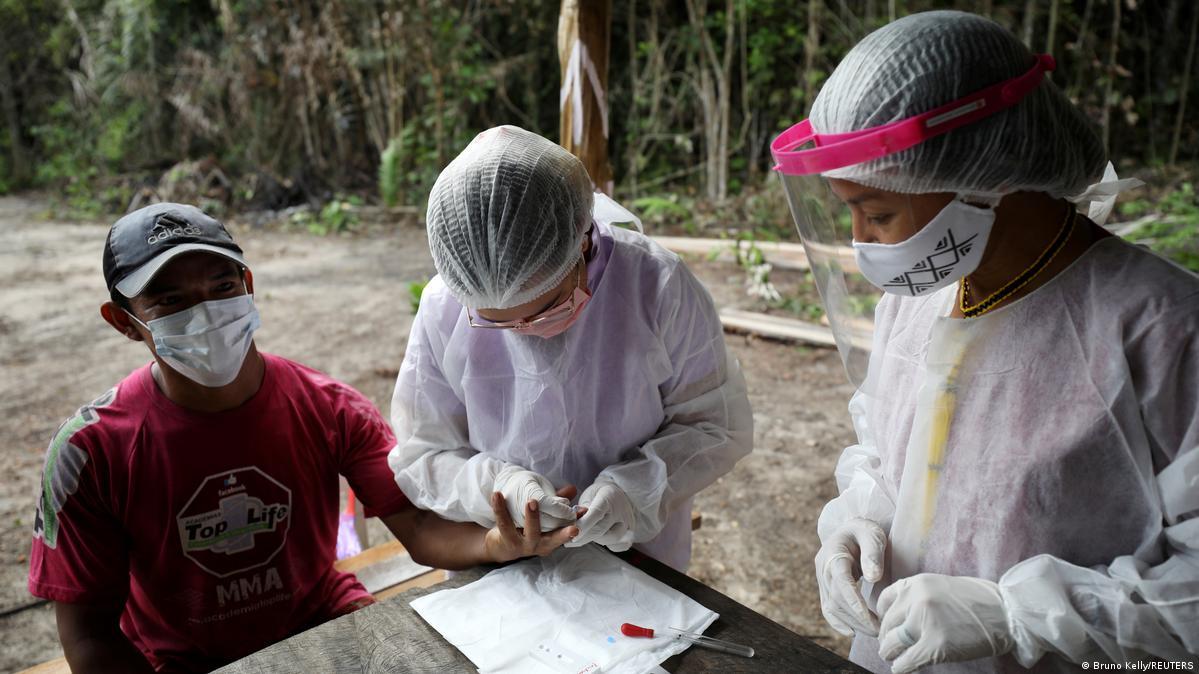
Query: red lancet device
point(631, 630)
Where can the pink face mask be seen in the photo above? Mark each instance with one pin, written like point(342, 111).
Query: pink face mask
point(556, 320)
point(549, 323)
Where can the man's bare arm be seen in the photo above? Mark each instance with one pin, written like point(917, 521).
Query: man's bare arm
point(92, 639)
point(443, 544)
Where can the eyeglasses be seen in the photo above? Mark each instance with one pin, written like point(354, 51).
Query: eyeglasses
point(565, 308)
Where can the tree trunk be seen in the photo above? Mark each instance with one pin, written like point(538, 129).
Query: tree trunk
point(1081, 72)
point(584, 32)
point(711, 133)
point(649, 120)
point(748, 112)
point(1188, 63)
point(87, 57)
point(725, 97)
point(1052, 34)
point(1168, 45)
point(715, 74)
point(635, 84)
point(19, 169)
point(811, 48)
point(1113, 50)
point(1030, 21)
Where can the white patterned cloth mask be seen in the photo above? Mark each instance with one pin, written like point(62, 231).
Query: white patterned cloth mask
point(946, 250)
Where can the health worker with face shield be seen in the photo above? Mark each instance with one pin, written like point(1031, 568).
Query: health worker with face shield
point(1024, 491)
point(554, 352)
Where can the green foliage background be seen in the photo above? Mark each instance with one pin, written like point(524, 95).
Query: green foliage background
point(316, 99)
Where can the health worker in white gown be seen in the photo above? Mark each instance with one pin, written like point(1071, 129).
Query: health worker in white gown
point(1024, 492)
point(554, 352)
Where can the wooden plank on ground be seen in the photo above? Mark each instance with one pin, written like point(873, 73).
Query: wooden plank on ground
point(844, 255)
point(55, 666)
point(390, 572)
point(424, 580)
point(781, 254)
point(382, 567)
point(371, 555)
point(776, 327)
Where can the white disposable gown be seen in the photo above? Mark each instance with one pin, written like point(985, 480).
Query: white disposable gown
point(640, 390)
point(1069, 472)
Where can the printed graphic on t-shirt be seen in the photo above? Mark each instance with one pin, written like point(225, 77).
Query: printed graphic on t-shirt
point(64, 464)
point(235, 521)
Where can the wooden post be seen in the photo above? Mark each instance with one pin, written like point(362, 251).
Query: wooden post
point(584, 32)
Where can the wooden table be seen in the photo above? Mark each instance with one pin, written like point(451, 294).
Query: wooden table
point(391, 637)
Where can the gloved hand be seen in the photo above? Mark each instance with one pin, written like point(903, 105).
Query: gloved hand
point(854, 551)
point(609, 518)
point(519, 486)
point(932, 618)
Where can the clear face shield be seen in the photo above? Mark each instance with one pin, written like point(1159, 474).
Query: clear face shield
point(825, 226)
point(805, 160)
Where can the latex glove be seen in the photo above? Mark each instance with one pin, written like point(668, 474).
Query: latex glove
point(932, 618)
point(519, 486)
point(609, 518)
point(854, 551)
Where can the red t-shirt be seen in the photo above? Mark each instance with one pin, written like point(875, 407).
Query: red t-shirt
point(218, 530)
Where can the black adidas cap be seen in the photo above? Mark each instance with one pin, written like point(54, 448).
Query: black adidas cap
point(140, 243)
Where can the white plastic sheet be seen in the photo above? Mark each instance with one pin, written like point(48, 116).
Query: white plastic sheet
point(522, 617)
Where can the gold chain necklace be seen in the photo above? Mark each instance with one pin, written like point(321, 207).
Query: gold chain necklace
point(1011, 287)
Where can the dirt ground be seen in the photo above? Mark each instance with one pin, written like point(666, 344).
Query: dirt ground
point(340, 304)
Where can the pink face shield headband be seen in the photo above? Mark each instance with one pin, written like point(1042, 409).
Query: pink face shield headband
point(838, 150)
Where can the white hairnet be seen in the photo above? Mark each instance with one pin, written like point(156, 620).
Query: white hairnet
point(506, 218)
point(922, 61)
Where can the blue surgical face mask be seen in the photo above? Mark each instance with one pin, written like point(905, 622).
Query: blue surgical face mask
point(206, 343)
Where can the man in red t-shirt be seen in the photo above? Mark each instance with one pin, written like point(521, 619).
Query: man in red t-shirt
point(188, 516)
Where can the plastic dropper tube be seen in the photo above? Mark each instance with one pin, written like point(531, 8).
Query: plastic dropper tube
point(631, 630)
point(714, 644)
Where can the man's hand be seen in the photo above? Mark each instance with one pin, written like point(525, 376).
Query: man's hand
point(506, 542)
